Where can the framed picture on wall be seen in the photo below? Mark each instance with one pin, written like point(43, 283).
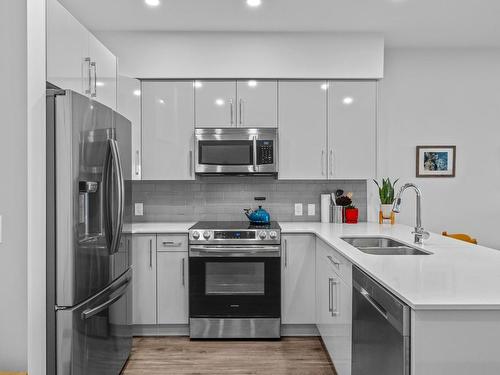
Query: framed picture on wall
point(436, 161)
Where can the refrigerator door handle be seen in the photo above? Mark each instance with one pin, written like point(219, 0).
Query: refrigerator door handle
point(113, 234)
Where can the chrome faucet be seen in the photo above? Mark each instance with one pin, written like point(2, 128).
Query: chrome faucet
point(419, 232)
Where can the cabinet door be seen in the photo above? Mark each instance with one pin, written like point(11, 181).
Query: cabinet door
point(67, 48)
point(302, 130)
point(144, 279)
point(257, 104)
point(129, 105)
point(352, 130)
point(103, 73)
point(172, 288)
point(298, 270)
point(215, 104)
point(167, 130)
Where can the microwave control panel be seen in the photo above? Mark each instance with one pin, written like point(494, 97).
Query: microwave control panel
point(265, 152)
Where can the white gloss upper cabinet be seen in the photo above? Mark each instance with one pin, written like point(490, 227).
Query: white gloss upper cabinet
point(167, 130)
point(302, 130)
point(257, 104)
point(76, 60)
point(215, 104)
point(67, 48)
point(129, 105)
point(172, 282)
point(352, 129)
point(298, 280)
point(103, 73)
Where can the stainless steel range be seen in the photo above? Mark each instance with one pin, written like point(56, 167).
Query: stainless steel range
point(234, 280)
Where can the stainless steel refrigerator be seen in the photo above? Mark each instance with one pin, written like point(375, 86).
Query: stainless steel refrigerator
point(89, 290)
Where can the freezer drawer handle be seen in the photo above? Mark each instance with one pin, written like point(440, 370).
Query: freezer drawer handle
point(89, 313)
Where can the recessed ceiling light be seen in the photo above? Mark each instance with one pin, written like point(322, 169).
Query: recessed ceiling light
point(219, 102)
point(252, 83)
point(254, 3)
point(152, 3)
point(99, 84)
point(161, 101)
point(347, 100)
point(197, 84)
point(137, 92)
point(324, 86)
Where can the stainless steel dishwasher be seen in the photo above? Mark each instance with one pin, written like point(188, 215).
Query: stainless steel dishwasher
point(380, 329)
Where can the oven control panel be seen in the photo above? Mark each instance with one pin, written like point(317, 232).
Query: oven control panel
point(198, 236)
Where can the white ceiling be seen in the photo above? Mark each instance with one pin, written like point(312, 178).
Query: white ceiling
point(458, 23)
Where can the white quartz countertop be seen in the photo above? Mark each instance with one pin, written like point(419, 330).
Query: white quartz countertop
point(456, 276)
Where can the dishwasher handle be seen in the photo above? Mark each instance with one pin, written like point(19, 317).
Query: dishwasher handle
point(384, 302)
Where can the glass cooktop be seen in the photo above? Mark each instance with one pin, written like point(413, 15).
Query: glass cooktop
point(233, 225)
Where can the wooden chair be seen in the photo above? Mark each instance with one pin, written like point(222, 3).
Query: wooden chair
point(461, 237)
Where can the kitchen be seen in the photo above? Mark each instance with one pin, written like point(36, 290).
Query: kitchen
point(195, 122)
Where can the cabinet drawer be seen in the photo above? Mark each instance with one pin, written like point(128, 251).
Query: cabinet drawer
point(340, 265)
point(172, 242)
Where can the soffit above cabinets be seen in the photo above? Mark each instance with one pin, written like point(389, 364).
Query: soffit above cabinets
point(408, 23)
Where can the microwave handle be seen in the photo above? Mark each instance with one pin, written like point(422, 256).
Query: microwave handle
point(255, 153)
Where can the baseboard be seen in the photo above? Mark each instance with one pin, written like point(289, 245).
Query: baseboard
point(183, 330)
point(161, 330)
point(299, 330)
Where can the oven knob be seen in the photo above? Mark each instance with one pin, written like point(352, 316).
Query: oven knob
point(273, 234)
point(206, 235)
point(262, 235)
point(196, 235)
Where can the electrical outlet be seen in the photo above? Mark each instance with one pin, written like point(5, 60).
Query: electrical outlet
point(311, 209)
point(298, 209)
point(139, 209)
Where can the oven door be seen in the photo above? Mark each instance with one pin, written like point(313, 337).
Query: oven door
point(234, 282)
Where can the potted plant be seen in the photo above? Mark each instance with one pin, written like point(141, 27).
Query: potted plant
point(351, 214)
point(344, 201)
point(386, 194)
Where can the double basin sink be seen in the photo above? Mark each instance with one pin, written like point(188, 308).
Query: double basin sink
point(383, 246)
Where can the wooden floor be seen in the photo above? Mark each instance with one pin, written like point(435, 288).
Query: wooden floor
point(179, 355)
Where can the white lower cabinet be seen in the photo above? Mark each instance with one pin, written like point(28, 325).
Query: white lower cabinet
point(334, 307)
point(297, 279)
point(172, 286)
point(160, 264)
point(144, 279)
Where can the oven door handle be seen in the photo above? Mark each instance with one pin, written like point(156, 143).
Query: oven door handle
point(236, 251)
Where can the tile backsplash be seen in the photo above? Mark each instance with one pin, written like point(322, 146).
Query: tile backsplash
point(224, 198)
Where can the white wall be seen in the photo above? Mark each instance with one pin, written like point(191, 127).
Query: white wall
point(434, 97)
point(249, 55)
point(13, 207)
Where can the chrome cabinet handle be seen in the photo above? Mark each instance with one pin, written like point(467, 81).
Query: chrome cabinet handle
point(190, 163)
point(137, 167)
point(94, 68)
point(330, 303)
point(285, 248)
point(331, 163)
point(150, 253)
point(334, 262)
point(171, 243)
point(241, 111)
point(322, 162)
point(183, 272)
point(336, 312)
point(231, 108)
point(89, 76)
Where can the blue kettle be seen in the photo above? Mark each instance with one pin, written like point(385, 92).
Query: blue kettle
point(259, 217)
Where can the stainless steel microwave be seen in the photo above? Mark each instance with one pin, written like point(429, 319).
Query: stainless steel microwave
point(236, 151)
